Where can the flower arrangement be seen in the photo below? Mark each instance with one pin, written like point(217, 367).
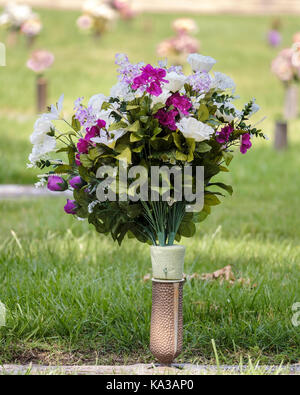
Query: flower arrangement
point(20, 18)
point(154, 116)
point(40, 60)
point(98, 16)
point(124, 8)
point(182, 44)
point(286, 66)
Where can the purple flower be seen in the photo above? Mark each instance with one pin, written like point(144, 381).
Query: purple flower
point(151, 79)
point(57, 184)
point(76, 182)
point(127, 71)
point(167, 118)
point(200, 81)
point(70, 207)
point(77, 159)
point(91, 132)
point(224, 134)
point(83, 146)
point(274, 38)
point(180, 102)
point(246, 143)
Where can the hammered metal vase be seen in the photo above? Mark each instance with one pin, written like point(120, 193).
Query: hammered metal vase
point(166, 334)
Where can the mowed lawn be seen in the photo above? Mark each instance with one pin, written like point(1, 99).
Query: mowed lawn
point(73, 296)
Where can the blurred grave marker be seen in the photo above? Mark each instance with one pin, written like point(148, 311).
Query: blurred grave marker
point(2, 55)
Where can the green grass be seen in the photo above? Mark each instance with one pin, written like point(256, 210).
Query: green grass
point(73, 296)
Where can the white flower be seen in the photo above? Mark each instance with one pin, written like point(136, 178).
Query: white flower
point(200, 62)
point(56, 111)
point(162, 98)
point(112, 137)
point(96, 102)
point(196, 101)
point(39, 151)
point(42, 126)
point(18, 13)
point(42, 142)
point(122, 91)
point(176, 81)
point(223, 82)
point(254, 109)
point(191, 128)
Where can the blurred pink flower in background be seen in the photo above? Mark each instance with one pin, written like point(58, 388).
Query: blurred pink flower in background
point(32, 27)
point(84, 22)
point(40, 60)
point(183, 44)
point(124, 8)
point(184, 25)
point(286, 66)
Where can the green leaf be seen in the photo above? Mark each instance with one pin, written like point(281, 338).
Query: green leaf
point(126, 154)
point(181, 156)
point(187, 229)
point(86, 161)
point(132, 107)
point(105, 106)
point(227, 157)
point(211, 200)
point(203, 147)
point(135, 127)
point(199, 217)
point(117, 125)
point(203, 113)
point(177, 140)
point(62, 169)
point(135, 137)
point(157, 107)
point(226, 187)
point(76, 124)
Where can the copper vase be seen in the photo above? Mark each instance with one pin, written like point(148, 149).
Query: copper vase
point(166, 334)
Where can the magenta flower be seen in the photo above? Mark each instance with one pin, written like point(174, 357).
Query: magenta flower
point(224, 134)
point(77, 159)
point(70, 207)
point(101, 123)
point(180, 102)
point(246, 143)
point(76, 182)
point(167, 118)
point(151, 79)
point(83, 146)
point(57, 184)
point(40, 60)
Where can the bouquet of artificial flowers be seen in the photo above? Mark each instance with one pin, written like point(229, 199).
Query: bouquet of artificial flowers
point(286, 66)
point(182, 44)
point(98, 16)
point(154, 117)
point(17, 17)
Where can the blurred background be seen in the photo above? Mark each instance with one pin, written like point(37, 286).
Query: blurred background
point(59, 279)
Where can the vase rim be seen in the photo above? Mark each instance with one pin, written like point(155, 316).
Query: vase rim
point(169, 247)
